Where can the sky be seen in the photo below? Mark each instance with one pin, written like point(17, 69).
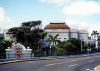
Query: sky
point(77, 14)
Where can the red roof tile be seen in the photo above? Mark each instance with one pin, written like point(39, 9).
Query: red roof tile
point(56, 26)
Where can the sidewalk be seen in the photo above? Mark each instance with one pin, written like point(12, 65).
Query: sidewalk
point(97, 68)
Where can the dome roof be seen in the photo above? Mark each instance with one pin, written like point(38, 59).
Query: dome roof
point(56, 26)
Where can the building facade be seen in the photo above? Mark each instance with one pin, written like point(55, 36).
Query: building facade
point(1, 37)
point(64, 32)
point(6, 36)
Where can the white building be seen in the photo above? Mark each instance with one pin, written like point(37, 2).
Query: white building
point(95, 39)
point(6, 36)
point(64, 32)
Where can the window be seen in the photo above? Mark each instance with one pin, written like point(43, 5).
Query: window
point(48, 38)
point(59, 38)
point(65, 39)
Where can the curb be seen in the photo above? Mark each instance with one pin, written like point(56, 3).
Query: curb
point(46, 58)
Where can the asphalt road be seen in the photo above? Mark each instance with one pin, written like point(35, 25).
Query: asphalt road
point(70, 64)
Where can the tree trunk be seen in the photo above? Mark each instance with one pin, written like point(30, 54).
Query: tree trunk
point(53, 46)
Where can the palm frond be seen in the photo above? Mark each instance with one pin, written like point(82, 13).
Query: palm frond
point(48, 40)
point(58, 41)
point(94, 32)
point(51, 37)
point(49, 43)
point(56, 36)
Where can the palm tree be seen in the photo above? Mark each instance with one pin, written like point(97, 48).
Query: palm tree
point(52, 39)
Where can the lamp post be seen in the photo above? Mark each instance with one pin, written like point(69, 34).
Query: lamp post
point(50, 50)
point(89, 51)
point(81, 36)
point(56, 47)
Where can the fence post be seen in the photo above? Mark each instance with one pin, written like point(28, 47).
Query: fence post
point(8, 55)
point(65, 53)
point(78, 52)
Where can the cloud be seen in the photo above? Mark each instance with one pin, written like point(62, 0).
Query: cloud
point(60, 2)
point(5, 22)
point(70, 22)
point(76, 25)
point(93, 27)
point(82, 8)
point(82, 26)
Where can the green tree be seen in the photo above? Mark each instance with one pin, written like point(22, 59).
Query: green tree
point(26, 35)
point(32, 24)
point(6, 43)
point(3, 46)
point(85, 46)
point(68, 46)
point(72, 44)
point(76, 43)
point(52, 39)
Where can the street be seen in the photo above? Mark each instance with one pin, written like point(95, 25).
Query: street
point(85, 63)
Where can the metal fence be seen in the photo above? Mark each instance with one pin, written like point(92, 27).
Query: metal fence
point(44, 54)
point(15, 56)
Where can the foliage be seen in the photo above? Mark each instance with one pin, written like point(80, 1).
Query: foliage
point(6, 43)
point(2, 51)
point(36, 46)
point(52, 39)
point(69, 46)
point(40, 52)
point(76, 43)
point(44, 49)
point(72, 44)
point(3, 46)
point(33, 24)
point(85, 46)
point(59, 52)
point(1, 38)
point(93, 48)
point(27, 36)
point(99, 43)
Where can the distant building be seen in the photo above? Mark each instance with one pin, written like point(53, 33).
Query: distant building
point(64, 32)
point(91, 42)
point(96, 39)
point(1, 36)
point(6, 36)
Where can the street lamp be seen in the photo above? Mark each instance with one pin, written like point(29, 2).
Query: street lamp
point(50, 50)
point(81, 36)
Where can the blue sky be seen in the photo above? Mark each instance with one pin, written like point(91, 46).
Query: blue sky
point(78, 14)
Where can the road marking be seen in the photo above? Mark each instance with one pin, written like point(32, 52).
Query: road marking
point(87, 58)
point(87, 69)
point(91, 61)
point(30, 61)
point(97, 56)
point(74, 60)
point(80, 59)
point(69, 61)
point(72, 65)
